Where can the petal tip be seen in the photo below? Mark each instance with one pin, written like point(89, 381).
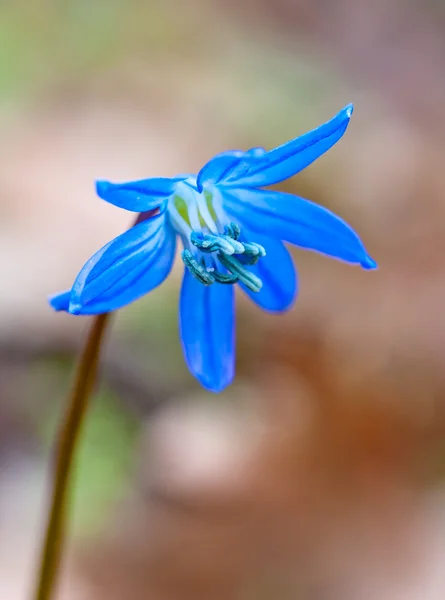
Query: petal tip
point(102, 187)
point(215, 386)
point(60, 302)
point(369, 264)
point(349, 109)
point(74, 308)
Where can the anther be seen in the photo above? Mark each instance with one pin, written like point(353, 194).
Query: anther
point(254, 249)
point(212, 243)
point(197, 270)
point(232, 230)
point(224, 277)
point(253, 282)
point(252, 253)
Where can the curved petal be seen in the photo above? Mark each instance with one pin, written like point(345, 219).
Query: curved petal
point(125, 269)
point(138, 196)
point(277, 272)
point(298, 221)
point(233, 163)
point(207, 328)
point(292, 157)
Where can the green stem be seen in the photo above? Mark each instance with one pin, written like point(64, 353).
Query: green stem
point(70, 428)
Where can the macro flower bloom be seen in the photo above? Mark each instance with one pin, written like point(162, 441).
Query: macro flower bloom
point(232, 230)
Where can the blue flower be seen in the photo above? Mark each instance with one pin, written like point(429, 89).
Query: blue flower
point(232, 231)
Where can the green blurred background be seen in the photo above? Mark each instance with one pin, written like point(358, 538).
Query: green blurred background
point(319, 473)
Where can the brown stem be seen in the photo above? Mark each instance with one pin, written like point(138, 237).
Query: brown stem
point(68, 437)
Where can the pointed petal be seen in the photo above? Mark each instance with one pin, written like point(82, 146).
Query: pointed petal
point(128, 267)
point(138, 196)
point(277, 272)
point(207, 328)
point(292, 157)
point(60, 301)
point(298, 221)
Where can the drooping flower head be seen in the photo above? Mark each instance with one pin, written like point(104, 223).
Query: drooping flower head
point(232, 231)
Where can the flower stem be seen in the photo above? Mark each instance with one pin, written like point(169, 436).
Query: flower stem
point(70, 428)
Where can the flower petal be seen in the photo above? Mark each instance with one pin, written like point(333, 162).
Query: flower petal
point(138, 196)
point(298, 221)
point(277, 272)
point(207, 328)
point(233, 163)
point(292, 157)
point(60, 301)
point(126, 268)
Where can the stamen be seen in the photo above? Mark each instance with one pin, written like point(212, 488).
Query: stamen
point(205, 213)
point(196, 225)
point(194, 215)
point(189, 196)
point(217, 206)
point(254, 249)
point(213, 243)
point(179, 221)
point(252, 253)
point(253, 282)
point(196, 269)
point(232, 230)
point(224, 277)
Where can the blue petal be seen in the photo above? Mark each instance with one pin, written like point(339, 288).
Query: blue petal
point(277, 272)
point(60, 301)
point(126, 268)
point(207, 327)
point(138, 196)
point(233, 163)
point(297, 221)
point(292, 157)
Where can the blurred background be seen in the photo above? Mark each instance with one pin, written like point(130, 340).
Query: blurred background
point(319, 474)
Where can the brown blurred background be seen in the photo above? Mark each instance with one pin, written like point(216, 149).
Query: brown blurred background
point(319, 474)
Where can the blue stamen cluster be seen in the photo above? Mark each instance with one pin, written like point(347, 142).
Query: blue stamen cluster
point(224, 247)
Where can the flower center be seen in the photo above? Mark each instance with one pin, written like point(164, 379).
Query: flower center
point(213, 249)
